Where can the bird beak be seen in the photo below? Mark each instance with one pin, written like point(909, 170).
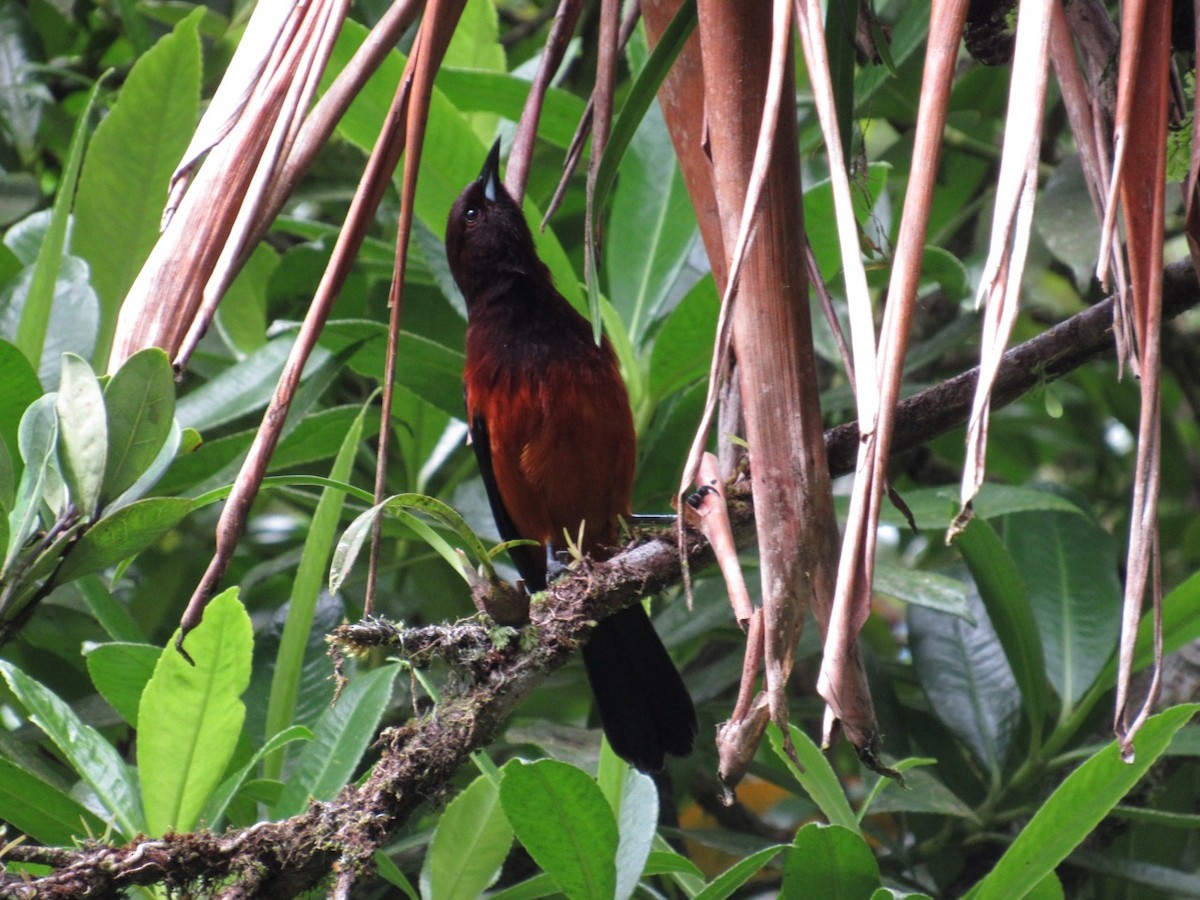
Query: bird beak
point(490, 176)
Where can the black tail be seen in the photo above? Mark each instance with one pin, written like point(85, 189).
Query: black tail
point(644, 706)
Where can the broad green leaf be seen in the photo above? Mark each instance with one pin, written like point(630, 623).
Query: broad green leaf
point(401, 506)
point(563, 820)
point(817, 776)
point(190, 716)
point(818, 208)
point(1159, 879)
point(922, 793)
point(21, 387)
point(476, 45)
point(1003, 592)
point(935, 508)
point(306, 588)
point(37, 438)
point(650, 231)
point(661, 862)
point(1069, 566)
point(1076, 807)
point(73, 317)
point(739, 873)
point(924, 588)
point(123, 185)
point(830, 862)
point(470, 843)
point(41, 810)
point(1181, 626)
point(390, 872)
point(85, 749)
point(40, 297)
point(625, 125)
point(127, 532)
point(111, 614)
point(242, 389)
point(120, 672)
point(24, 98)
point(430, 370)
point(340, 738)
point(637, 823)
point(683, 348)
point(242, 316)
point(965, 675)
point(82, 432)
point(140, 399)
point(471, 90)
point(219, 801)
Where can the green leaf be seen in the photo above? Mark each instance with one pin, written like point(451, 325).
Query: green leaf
point(1076, 807)
point(924, 588)
point(123, 185)
point(1003, 592)
point(816, 777)
point(650, 231)
point(922, 793)
point(82, 432)
point(89, 754)
point(965, 675)
point(242, 389)
point(476, 45)
point(561, 817)
point(637, 824)
point(1181, 626)
point(24, 97)
point(935, 508)
point(683, 348)
point(214, 810)
point(111, 614)
point(470, 844)
point(830, 862)
point(1069, 566)
point(140, 399)
point(472, 90)
point(74, 315)
point(399, 507)
point(21, 387)
point(35, 310)
point(626, 124)
point(41, 810)
point(340, 738)
point(37, 439)
point(391, 873)
point(306, 588)
point(120, 672)
point(127, 532)
point(818, 207)
point(190, 716)
point(430, 370)
point(739, 873)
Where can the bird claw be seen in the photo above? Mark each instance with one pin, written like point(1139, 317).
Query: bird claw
point(555, 567)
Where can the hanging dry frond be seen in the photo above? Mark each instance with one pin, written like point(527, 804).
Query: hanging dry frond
point(839, 682)
point(1016, 188)
point(1139, 180)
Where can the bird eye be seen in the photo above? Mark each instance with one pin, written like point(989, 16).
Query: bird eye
point(471, 215)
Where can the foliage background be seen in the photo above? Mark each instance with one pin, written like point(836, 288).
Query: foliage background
point(991, 662)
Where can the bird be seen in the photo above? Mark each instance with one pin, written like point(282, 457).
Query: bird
point(552, 430)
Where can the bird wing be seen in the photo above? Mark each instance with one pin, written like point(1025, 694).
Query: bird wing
point(527, 559)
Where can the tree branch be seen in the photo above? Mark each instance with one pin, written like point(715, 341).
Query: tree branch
point(283, 859)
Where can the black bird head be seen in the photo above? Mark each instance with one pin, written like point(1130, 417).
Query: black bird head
point(488, 242)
